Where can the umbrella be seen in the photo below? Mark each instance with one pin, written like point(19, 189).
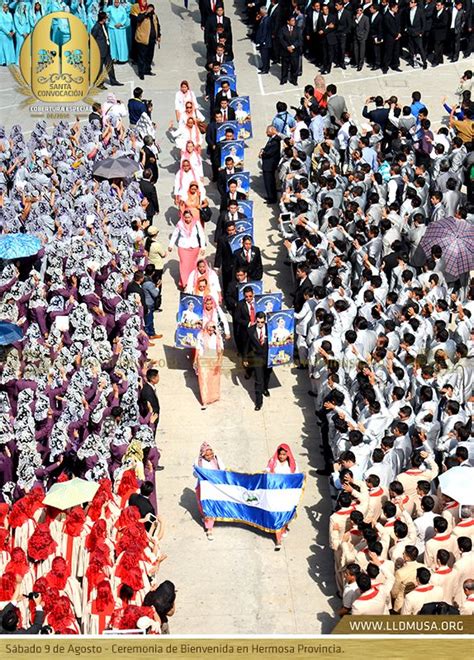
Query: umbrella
point(15, 246)
point(456, 483)
point(71, 493)
point(9, 333)
point(456, 238)
point(116, 168)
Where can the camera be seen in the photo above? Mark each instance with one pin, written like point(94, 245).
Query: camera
point(32, 595)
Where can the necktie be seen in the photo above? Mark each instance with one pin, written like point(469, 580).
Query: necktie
point(261, 338)
point(224, 115)
point(252, 312)
point(248, 256)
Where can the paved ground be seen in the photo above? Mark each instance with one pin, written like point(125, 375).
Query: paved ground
point(238, 584)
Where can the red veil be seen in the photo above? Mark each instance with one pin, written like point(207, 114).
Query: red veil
point(274, 459)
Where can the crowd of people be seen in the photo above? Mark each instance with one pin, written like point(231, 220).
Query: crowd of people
point(344, 33)
point(78, 392)
point(385, 328)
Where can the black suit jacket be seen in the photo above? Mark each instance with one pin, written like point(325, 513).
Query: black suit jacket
point(345, 23)
point(419, 23)
point(376, 27)
point(287, 38)
point(220, 96)
point(391, 26)
point(144, 505)
point(230, 115)
point(149, 191)
point(255, 352)
point(206, 10)
point(329, 32)
point(32, 630)
point(271, 154)
point(298, 297)
point(148, 396)
point(241, 324)
point(133, 287)
point(224, 256)
point(440, 25)
point(254, 267)
point(98, 33)
point(211, 28)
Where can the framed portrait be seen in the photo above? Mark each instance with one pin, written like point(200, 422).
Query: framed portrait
point(241, 106)
point(228, 69)
point(189, 320)
point(246, 207)
point(231, 79)
point(281, 333)
point(225, 126)
point(244, 227)
point(242, 179)
point(269, 302)
point(234, 149)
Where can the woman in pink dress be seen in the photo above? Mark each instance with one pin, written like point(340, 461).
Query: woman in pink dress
point(191, 241)
point(282, 462)
point(208, 461)
point(207, 363)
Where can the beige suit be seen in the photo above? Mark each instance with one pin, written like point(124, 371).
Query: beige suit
point(421, 595)
point(451, 513)
point(339, 524)
point(405, 582)
point(377, 497)
point(465, 528)
point(467, 606)
point(411, 477)
point(445, 578)
point(447, 542)
point(371, 602)
point(464, 569)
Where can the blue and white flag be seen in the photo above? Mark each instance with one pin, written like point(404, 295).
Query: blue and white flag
point(264, 500)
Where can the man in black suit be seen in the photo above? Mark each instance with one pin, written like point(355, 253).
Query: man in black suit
point(312, 41)
point(224, 258)
point(222, 177)
point(225, 93)
point(214, 73)
point(327, 32)
point(415, 29)
point(376, 35)
point(101, 35)
point(391, 32)
point(142, 501)
point(256, 357)
point(457, 17)
point(244, 317)
point(213, 22)
point(291, 44)
point(343, 31)
point(439, 32)
point(304, 283)
point(96, 114)
point(249, 256)
point(274, 14)
point(148, 399)
point(9, 619)
point(361, 34)
point(217, 54)
point(148, 190)
point(231, 195)
point(135, 286)
point(212, 146)
point(207, 9)
point(231, 214)
point(231, 295)
point(270, 155)
point(228, 113)
point(429, 10)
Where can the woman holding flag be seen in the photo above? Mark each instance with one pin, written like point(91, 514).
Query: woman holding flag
point(207, 460)
point(282, 462)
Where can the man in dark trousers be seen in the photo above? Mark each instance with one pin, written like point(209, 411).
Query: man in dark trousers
point(376, 35)
point(457, 17)
point(231, 214)
point(224, 93)
point(223, 176)
point(148, 190)
point(212, 147)
point(361, 34)
point(439, 32)
point(343, 31)
point(207, 8)
point(391, 45)
point(101, 35)
point(147, 35)
point(312, 39)
point(270, 155)
point(224, 258)
point(304, 283)
point(142, 501)
point(256, 357)
point(148, 399)
point(415, 29)
point(327, 32)
point(244, 316)
point(291, 44)
point(249, 257)
point(263, 39)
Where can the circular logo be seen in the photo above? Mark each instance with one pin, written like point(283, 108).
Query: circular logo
point(250, 498)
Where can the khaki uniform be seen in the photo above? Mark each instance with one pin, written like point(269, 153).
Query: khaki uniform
point(405, 582)
point(440, 541)
point(465, 528)
point(377, 498)
point(418, 511)
point(464, 569)
point(371, 602)
point(446, 578)
point(451, 513)
point(421, 595)
point(339, 524)
point(411, 477)
point(467, 606)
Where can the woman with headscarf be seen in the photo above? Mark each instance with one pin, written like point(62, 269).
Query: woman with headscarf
point(207, 363)
point(184, 179)
point(60, 578)
point(99, 610)
point(117, 28)
point(282, 462)
point(184, 96)
point(208, 461)
point(21, 21)
point(320, 91)
point(213, 312)
point(7, 33)
point(191, 241)
point(92, 14)
point(72, 539)
point(37, 12)
point(204, 270)
point(187, 131)
point(197, 202)
point(193, 154)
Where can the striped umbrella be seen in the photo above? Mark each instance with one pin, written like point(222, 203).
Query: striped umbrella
point(456, 238)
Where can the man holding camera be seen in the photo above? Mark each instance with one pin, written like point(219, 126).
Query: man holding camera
point(10, 617)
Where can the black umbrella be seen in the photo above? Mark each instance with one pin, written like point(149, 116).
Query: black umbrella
point(116, 168)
